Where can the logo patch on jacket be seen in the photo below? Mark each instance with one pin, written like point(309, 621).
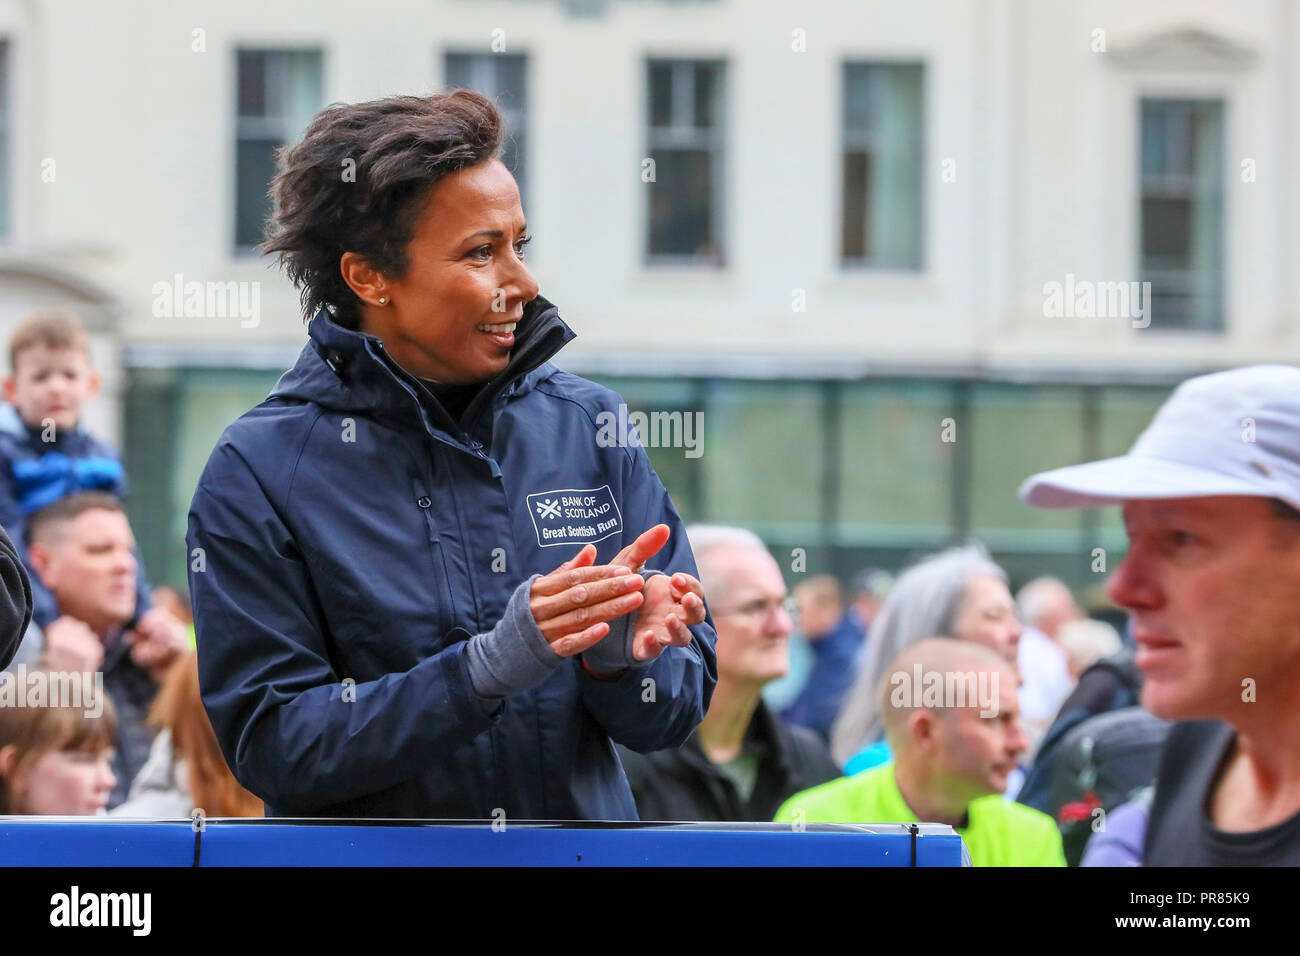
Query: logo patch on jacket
point(574, 515)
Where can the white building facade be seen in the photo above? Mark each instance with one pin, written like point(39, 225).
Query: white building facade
point(896, 254)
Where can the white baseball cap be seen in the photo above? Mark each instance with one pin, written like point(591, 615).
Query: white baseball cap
point(1229, 433)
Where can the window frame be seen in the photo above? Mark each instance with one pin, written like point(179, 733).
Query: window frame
point(687, 136)
point(1181, 185)
point(239, 124)
point(864, 141)
point(515, 117)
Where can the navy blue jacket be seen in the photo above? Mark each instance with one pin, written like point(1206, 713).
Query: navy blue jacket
point(347, 537)
point(835, 667)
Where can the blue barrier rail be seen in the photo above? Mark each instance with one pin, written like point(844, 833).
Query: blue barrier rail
point(78, 841)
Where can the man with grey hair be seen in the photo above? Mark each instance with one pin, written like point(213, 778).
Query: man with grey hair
point(742, 761)
point(1045, 605)
point(1210, 495)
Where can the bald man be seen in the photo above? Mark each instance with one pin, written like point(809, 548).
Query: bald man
point(953, 722)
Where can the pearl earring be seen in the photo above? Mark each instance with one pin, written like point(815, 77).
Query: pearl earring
point(382, 300)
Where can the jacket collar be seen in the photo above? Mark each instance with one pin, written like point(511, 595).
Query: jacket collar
point(346, 370)
point(895, 807)
point(12, 423)
point(764, 738)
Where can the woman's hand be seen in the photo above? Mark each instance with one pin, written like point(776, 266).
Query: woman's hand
point(672, 605)
point(646, 546)
point(572, 604)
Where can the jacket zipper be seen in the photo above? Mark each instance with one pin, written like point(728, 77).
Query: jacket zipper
point(468, 444)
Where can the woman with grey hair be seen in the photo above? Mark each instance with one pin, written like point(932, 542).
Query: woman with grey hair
point(957, 593)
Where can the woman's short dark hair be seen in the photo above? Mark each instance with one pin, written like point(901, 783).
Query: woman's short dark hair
point(357, 183)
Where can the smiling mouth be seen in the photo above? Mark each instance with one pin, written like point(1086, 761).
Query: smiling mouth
point(504, 328)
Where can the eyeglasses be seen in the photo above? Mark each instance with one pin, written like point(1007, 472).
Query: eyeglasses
point(761, 607)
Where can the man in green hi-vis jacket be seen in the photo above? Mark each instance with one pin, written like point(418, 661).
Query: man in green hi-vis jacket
point(953, 723)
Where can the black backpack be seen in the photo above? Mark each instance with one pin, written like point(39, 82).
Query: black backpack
point(1102, 762)
point(1110, 684)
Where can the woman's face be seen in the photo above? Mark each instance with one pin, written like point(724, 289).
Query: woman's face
point(451, 317)
point(67, 782)
point(988, 616)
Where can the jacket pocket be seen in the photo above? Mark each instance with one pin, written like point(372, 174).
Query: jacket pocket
point(439, 579)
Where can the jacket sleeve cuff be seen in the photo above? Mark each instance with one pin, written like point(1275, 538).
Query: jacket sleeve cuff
point(613, 654)
point(513, 656)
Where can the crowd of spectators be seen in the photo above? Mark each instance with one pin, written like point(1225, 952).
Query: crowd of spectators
point(120, 722)
point(935, 696)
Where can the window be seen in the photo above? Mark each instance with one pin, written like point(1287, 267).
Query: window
point(676, 452)
point(895, 470)
point(850, 473)
point(278, 93)
point(684, 120)
point(1181, 212)
point(763, 458)
point(172, 418)
point(503, 78)
point(883, 123)
point(1012, 432)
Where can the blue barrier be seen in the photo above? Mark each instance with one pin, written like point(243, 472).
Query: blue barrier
point(78, 841)
point(47, 841)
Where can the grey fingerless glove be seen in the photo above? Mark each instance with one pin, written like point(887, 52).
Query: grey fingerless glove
point(513, 656)
point(613, 654)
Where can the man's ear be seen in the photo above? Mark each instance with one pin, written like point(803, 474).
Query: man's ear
point(42, 559)
point(922, 729)
point(9, 757)
point(11, 389)
point(93, 384)
point(8, 760)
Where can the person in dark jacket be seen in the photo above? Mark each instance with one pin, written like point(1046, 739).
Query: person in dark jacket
point(744, 761)
point(15, 600)
point(382, 627)
point(1110, 684)
point(835, 639)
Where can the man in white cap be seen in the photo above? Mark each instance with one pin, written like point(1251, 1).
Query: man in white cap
point(1211, 503)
